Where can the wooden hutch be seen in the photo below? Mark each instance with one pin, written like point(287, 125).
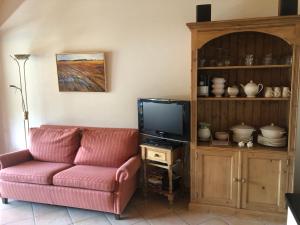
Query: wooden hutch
point(254, 180)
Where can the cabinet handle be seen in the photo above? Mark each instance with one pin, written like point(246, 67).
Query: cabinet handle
point(156, 155)
point(235, 179)
point(243, 180)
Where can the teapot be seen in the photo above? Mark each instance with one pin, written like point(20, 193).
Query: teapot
point(252, 89)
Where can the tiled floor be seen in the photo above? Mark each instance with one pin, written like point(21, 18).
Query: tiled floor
point(153, 211)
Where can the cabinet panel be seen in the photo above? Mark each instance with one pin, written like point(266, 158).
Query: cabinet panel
point(264, 179)
point(216, 177)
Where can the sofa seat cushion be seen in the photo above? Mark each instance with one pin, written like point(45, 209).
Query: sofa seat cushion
point(108, 147)
point(87, 177)
point(34, 172)
point(54, 144)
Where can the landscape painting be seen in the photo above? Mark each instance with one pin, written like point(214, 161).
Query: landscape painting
point(81, 72)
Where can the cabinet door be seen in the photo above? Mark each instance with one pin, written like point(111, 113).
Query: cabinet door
point(264, 181)
point(216, 176)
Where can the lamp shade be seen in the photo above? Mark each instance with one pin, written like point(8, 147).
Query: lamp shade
point(22, 56)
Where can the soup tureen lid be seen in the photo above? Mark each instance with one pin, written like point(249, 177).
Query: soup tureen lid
point(272, 127)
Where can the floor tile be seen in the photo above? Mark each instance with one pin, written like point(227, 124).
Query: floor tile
point(274, 223)
point(13, 204)
point(78, 215)
point(60, 217)
point(215, 221)
point(97, 220)
point(15, 214)
point(129, 216)
point(167, 219)
point(142, 223)
point(42, 209)
point(150, 209)
point(193, 217)
point(236, 220)
point(22, 222)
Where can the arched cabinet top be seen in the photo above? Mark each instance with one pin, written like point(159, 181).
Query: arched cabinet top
point(285, 28)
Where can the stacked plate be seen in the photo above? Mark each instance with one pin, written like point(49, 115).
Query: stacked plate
point(272, 142)
point(272, 136)
point(218, 86)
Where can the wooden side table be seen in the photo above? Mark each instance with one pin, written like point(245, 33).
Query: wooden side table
point(162, 158)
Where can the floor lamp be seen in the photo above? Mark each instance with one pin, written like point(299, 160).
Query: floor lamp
point(22, 89)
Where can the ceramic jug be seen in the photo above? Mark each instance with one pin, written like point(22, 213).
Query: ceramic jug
point(232, 91)
point(204, 132)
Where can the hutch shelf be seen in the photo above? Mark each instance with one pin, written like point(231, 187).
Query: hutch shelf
point(241, 99)
point(243, 67)
point(254, 180)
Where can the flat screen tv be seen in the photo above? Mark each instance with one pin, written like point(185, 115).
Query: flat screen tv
point(164, 118)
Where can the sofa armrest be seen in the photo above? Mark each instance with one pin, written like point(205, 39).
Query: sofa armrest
point(14, 158)
point(128, 169)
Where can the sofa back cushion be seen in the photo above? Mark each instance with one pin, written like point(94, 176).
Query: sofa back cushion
point(109, 147)
point(54, 144)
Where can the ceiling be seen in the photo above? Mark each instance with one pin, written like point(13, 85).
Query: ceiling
point(7, 8)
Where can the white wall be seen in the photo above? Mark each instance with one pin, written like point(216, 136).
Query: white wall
point(148, 55)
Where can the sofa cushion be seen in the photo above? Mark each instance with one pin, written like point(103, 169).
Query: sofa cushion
point(34, 172)
point(108, 147)
point(87, 177)
point(54, 144)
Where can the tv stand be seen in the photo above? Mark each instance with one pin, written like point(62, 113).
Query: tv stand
point(162, 143)
point(162, 158)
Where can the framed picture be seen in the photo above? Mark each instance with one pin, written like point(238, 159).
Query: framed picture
point(81, 72)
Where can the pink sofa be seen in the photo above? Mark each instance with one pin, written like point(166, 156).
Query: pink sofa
point(90, 168)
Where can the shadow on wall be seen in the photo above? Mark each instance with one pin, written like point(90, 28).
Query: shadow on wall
point(4, 137)
point(10, 7)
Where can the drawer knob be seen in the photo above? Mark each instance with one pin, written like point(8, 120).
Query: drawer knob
point(156, 155)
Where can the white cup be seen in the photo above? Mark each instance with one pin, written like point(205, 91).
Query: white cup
point(268, 92)
point(277, 92)
point(286, 92)
point(203, 91)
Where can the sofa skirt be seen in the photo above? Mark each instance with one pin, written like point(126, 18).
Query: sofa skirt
point(57, 195)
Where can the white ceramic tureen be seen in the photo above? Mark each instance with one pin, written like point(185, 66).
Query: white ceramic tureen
point(272, 131)
point(242, 132)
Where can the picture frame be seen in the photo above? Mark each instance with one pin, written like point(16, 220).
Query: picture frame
point(81, 72)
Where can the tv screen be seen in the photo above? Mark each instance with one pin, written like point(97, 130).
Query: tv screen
point(163, 118)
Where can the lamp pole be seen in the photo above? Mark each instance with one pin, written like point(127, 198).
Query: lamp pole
point(22, 88)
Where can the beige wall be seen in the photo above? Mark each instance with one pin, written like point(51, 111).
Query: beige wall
point(148, 55)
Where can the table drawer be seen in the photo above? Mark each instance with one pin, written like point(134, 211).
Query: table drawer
point(156, 156)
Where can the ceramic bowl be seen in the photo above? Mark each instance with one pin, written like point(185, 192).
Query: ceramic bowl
point(222, 136)
point(218, 92)
point(218, 80)
point(218, 85)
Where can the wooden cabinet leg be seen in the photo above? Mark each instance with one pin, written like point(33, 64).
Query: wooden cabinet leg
point(145, 179)
point(170, 195)
point(171, 200)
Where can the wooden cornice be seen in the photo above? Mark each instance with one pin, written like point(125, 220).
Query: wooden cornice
point(257, 22)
